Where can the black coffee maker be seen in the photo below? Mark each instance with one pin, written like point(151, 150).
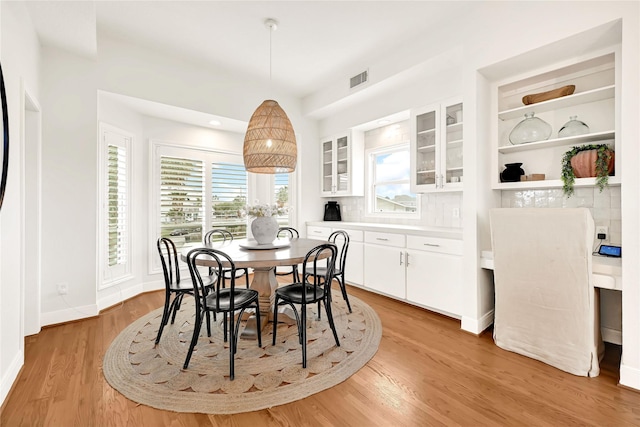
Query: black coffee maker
point(332, 212)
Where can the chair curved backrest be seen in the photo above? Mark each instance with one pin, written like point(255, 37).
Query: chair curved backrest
point(216, 259)
point(335, 238)
point(288, 232)
point(217, 235)
point(314, 270)
point(169, 258)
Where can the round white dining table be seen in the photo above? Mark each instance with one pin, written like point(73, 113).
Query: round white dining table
point(263, 262)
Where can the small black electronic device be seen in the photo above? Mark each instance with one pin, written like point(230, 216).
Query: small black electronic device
point(608, 250)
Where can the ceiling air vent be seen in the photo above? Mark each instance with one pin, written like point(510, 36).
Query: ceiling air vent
point(359, 79)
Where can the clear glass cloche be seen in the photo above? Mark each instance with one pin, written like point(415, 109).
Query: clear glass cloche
point(531, 129)
point(573, 127)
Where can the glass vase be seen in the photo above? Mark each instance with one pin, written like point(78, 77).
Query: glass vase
point(531, 129)
point(573, 127)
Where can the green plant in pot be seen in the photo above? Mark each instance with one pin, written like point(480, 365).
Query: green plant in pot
point(591, 160)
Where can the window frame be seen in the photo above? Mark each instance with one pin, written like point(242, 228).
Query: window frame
point(157, 150)
point(370, 169)
point(113, 275)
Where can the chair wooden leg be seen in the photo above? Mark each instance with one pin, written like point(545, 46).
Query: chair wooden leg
point(303, 334)
point(232, 345)
point(327, 306)
point(258, 323)
point(275, 319)
point(165, 316)
point(176, 306)
point(194, 339)
point(343, 288)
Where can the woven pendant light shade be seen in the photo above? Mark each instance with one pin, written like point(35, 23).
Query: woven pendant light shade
point(270, 143)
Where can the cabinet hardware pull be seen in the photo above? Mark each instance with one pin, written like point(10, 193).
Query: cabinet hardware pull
point(406, 259)
point(380, 238)
point(400, 257)
point(432, 244)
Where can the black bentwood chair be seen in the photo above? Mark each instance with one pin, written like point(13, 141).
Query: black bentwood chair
point(308, 292)
point(220, 300)
point(338, 273)
point(289, 233)
point(222, 235)
point(172, 284)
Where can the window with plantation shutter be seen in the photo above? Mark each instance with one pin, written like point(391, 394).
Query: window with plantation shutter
point(181, 199)
point(281, 196)
point(117, 204)
point(115, 215)
point(229, 197)
point(195, 189)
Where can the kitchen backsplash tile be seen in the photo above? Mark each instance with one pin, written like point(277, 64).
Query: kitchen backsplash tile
point(604, 206)
point(438, 210)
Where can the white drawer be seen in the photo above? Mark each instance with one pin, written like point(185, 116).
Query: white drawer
point(386, 239)
point(320, 233)
point(354, 235)
point(435, 244)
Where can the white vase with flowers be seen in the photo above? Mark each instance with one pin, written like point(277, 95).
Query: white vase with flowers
point(264, 226)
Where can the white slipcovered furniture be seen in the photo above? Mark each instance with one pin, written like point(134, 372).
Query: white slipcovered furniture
point(546, 306)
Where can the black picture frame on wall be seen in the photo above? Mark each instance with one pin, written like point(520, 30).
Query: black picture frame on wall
point(4, 152)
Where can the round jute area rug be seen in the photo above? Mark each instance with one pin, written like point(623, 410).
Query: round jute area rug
point(264, 376)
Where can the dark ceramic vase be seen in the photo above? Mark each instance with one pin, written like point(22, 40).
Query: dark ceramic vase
point(512, 172)
point(332, 212)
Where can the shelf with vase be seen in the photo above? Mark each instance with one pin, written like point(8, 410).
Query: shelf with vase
point(614, 181)
point(593, 107)
point(559, 142)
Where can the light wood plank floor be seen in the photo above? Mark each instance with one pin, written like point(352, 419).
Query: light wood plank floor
point(426, 372)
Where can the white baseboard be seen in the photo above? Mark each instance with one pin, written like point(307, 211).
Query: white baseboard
point(630, 377)
point(120, 295)
point(476, 326)
point(10, 376)
point(69, 314)
point(154, 286)
point(613, 336)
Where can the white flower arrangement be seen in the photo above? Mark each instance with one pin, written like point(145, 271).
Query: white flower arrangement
point(264, 210)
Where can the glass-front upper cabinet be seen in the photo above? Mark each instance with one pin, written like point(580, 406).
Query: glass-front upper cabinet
point(342, 165)
point(437, 148)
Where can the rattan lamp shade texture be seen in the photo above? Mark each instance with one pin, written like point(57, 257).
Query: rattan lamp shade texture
point(270, 142)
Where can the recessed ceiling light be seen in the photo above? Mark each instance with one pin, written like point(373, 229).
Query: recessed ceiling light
point(215, 122)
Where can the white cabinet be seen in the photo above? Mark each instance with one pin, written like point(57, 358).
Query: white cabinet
point(317, 232)
point(434, 273)
point(594, 102)
point(426, 271)
point(437, 147)
point(354, 271)
point(342, 169)
point(384, 269)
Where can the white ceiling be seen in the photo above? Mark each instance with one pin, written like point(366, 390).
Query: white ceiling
point(317, 42)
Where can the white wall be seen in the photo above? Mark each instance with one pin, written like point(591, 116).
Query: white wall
point(20, 62)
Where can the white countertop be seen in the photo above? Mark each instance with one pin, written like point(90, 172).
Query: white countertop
point(446, 233)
